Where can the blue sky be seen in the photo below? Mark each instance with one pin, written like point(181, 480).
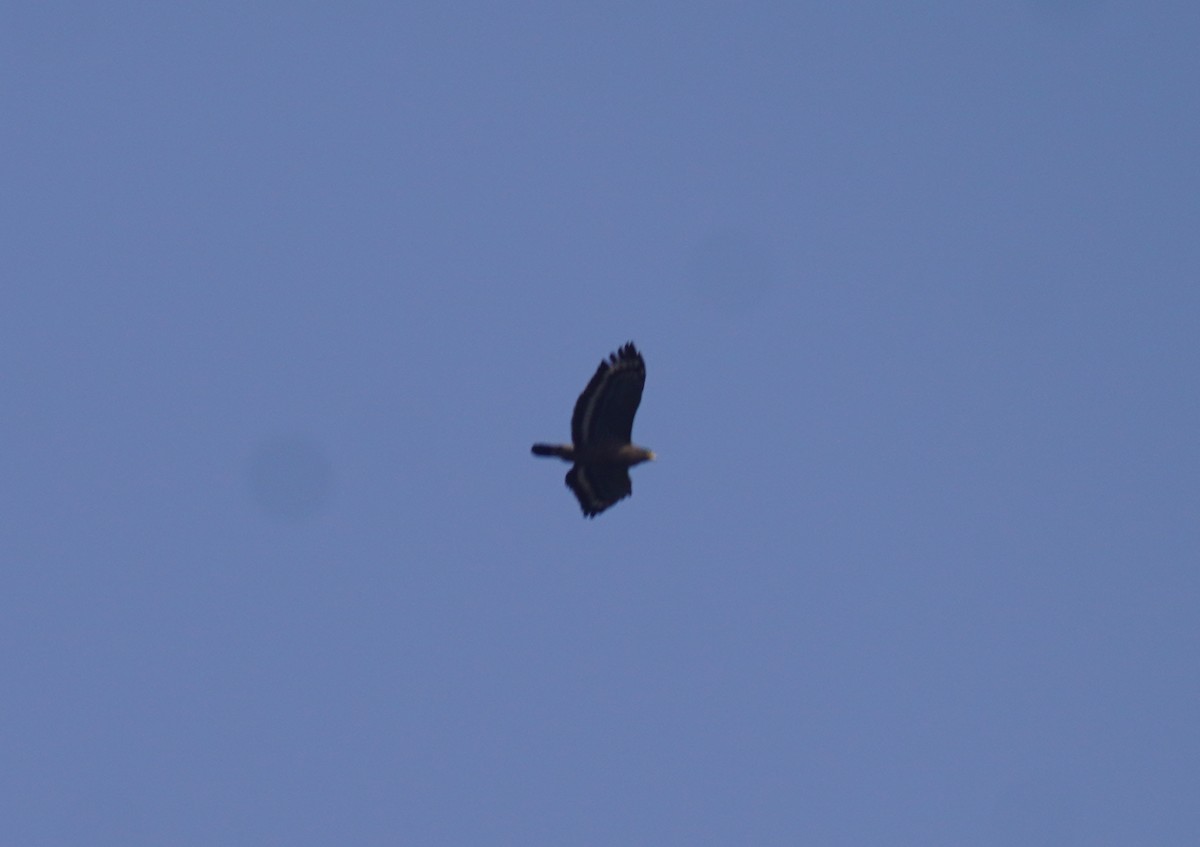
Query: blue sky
point(289, 289)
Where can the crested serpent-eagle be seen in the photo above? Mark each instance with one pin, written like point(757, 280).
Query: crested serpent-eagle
point(602, 451)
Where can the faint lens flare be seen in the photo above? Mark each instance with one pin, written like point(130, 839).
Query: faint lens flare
point(290, 478)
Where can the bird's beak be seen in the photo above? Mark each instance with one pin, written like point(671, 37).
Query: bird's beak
point(653, 455)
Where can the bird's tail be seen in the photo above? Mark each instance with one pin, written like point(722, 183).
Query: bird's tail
point(563, 451)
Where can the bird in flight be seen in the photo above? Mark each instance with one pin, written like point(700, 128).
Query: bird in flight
point(602, 451)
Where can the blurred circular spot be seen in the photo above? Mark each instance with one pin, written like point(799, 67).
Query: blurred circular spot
point(291, 478)
point(730, 270)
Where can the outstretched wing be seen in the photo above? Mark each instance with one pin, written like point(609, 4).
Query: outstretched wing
point(604, 411)
point(597, 487)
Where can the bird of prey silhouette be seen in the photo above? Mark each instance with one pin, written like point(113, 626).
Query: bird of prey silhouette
point(602, 451)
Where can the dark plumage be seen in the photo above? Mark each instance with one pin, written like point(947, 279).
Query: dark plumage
point(602, 451)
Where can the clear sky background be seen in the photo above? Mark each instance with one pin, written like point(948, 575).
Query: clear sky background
point(289, 289)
